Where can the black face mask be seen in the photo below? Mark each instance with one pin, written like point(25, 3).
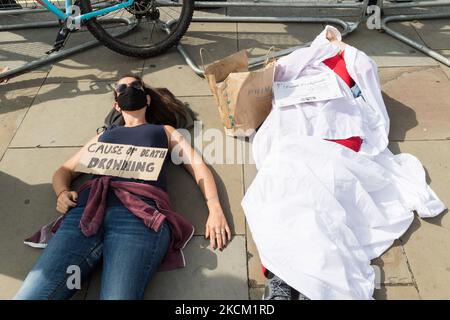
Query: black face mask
point(132, 99)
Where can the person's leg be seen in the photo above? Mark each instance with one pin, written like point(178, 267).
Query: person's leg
point(68, 247)
point(131, 254)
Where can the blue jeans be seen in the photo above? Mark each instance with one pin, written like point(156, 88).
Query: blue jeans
point(131, 254)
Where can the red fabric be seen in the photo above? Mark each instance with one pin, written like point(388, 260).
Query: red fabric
point(353, 143)
point(95, 209)
point(337, 64)
point(127, 192)
point(264, 271)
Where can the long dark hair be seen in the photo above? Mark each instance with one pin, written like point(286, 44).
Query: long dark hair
point(164, 107)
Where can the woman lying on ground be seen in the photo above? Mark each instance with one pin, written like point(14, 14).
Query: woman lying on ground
point(126, 222)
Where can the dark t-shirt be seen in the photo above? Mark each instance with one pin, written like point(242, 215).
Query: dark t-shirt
point(144, 135)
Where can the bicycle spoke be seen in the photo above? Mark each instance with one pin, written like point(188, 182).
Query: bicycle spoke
point(148, 18)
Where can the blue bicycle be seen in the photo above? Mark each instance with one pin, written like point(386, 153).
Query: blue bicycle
point(138, 28)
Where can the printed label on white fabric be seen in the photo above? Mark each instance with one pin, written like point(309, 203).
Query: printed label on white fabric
point(121, 160)
point(318, 87)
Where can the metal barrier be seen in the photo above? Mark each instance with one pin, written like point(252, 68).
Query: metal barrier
point(32, 7)
point(347, 27)
point(421, 16)
point(57, 56)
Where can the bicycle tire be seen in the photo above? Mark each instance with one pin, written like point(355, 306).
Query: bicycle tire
point(116, 45)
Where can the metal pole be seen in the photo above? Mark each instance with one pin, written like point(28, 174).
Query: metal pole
point(38, 10)
point(347, 29)
point(21, 11)
point(418, 4)
point(54, 57)
point(410, 42)
point(280, 4)
point(29, 25)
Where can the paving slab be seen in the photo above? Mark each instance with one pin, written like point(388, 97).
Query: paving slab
point(255, 276)
point(16, 96)
point(387, 51)
point(435, 39)
point(444, 52)
point(18, 47)
point(426, 243)
point(258, 38)
point(431, 25)
point(418, 102)
point(445, 69)
point(250, 172)
point(393, 266)
point(256, 293)
point(231, 150)
point(434, 33)
point(95, 64)
point(65, 114)
point(219, 40)
point(27, 202)
point(186, 195)
point(187, 199)
point(11, 18)
point(426, 246)
point(170, 69)
point(396, 293)
point(210, 275)
point(160, 72)
point(209, 12)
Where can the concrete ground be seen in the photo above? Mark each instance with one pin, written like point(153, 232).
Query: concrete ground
point(47, 114)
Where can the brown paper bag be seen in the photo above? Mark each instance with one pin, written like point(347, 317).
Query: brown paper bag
point(244, 97)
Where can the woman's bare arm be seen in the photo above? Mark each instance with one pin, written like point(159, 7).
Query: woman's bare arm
point(63, 178)
point(217, 229)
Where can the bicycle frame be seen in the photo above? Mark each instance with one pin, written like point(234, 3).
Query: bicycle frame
point(82, 17)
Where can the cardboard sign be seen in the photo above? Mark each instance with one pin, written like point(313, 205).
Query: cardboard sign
point(319, 87)
point(122, 160)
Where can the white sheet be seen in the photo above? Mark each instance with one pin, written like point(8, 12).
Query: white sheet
point(318, 211)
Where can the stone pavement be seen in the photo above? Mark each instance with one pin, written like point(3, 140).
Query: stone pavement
point(47, 114)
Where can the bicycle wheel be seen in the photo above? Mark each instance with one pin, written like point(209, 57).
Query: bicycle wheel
point(153, 25)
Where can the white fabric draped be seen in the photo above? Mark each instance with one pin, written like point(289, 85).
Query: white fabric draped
point(318, 211)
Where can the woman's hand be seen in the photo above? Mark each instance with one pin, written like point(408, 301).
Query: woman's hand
point(66, 200)
point(217, 229)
